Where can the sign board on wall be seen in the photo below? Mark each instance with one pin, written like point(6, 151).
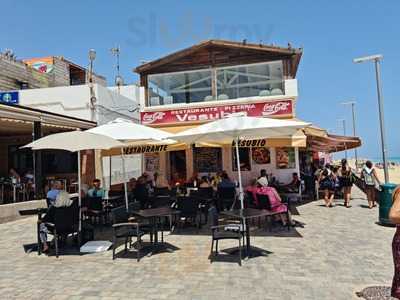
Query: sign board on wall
point(9, 97)
point(211, 113)
point(43, 65)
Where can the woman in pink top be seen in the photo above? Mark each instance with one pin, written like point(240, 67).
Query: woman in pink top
point(260, 187)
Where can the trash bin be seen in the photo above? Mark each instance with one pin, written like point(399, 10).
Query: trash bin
point(385, 202)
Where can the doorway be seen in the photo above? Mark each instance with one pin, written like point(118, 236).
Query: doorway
point(177, 165)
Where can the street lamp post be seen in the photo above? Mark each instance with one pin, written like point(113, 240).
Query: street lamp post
point(92, 57)
point(343, 121)
point(353, 113)
point(377, 59)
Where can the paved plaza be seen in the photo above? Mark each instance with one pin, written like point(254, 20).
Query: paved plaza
point(338, 252)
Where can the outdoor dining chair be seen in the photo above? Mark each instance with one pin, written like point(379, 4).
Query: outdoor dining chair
point(189, 210)
point(265, 203)
point(226, 197)
point(123, 229)
point(224, 232)
point(66, 222)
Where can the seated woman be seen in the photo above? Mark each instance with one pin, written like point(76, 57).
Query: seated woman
point(204, 183)
point(62, 200)
point(161, 181)
point(193, 180)
point(275, 200)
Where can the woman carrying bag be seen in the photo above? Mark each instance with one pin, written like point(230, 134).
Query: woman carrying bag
point(368, 174)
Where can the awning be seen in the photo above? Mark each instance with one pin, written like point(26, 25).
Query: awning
point(332, 143)
point(297, 140)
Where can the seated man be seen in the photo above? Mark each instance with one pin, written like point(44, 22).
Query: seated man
point(96, 191)
point(226, 182)
point(53, 192)
point(293, 186)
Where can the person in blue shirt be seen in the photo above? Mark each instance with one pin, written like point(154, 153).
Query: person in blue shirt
point(53, 192)
point(226, 182)
point(96, 191)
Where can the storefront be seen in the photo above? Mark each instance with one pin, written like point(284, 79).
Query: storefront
point(20, 125)
point(210, 81)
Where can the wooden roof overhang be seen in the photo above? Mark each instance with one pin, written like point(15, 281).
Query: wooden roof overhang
point(217, 53)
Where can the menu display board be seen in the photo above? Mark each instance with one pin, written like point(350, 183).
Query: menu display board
point(261, 155)
point(285, 158)
point(207, 160)
point(244, 155)
point(152, 162)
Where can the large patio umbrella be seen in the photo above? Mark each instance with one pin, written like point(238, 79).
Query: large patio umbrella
point(132, 133)
point(75, 141)
point(236, 127)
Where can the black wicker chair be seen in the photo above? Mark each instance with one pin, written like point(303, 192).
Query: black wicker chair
point(224, 232)
point(123, 229)
point(65, 221)
point(226, 197)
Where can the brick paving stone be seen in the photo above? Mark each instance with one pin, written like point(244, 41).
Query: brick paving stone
point(338, 252)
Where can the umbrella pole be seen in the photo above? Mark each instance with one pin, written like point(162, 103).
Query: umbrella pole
point(125, 179)
point(239, 173)
point(109, 179)
point(79, 199)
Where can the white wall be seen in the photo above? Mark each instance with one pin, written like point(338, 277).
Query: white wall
point(111, 104)
point(74, 101)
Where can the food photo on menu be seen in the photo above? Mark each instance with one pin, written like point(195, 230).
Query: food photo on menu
point(285, 158)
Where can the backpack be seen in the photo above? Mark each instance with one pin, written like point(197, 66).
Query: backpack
point(368, 177)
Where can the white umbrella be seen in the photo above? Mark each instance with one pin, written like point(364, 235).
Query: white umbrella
point(236, 127)
point(133, 133)
point(125, 130)
point(75, 141)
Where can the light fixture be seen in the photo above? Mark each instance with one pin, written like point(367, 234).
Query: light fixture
point(92, 54)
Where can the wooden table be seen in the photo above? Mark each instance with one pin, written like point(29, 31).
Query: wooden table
point(244, 215)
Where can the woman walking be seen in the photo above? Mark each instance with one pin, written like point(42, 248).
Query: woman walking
point(394, 216)
point(370, 178)
point(346, 181)
point(327, 183)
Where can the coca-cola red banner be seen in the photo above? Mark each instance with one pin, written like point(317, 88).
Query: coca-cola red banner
point(204, 114)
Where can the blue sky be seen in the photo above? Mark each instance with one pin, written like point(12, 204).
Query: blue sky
point(332, 33)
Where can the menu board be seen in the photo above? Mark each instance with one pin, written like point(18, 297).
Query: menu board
point(151, 162)
point(285, 158)
point(261, 155)
point(207, 160)
point(244, 155)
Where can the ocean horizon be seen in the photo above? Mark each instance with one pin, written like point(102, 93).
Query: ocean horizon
point(395, 159)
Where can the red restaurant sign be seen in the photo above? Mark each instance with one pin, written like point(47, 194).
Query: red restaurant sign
point(211, 113)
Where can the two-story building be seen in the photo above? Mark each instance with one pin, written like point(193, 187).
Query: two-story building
point(211, 80)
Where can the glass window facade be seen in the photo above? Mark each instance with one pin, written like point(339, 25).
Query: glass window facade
point(255, 80)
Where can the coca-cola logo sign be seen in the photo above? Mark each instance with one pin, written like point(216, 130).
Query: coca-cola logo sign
point(182, 115)
point(274, 108)
point(150, 118)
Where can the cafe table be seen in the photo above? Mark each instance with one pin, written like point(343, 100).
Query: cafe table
point(244, 215)
point(153, 214)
